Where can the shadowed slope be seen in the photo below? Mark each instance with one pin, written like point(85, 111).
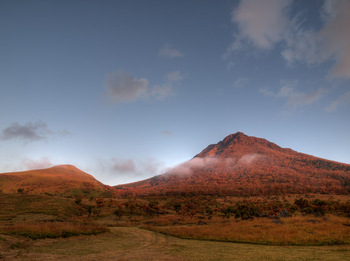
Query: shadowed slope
point(244, 165)
point(63, 179)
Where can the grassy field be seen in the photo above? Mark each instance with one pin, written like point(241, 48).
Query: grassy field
point(130, 243)
point(16, 208)
point(47, 227)
point(330, 230)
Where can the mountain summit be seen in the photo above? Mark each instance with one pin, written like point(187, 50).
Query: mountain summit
point(245, 165)
point(239, 144)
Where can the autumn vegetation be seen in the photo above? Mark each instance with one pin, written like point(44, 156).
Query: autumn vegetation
point(241, 165)
point(243, 189)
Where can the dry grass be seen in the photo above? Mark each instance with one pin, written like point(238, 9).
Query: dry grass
point(136, 244)
point(52, 230)
point(292, 231)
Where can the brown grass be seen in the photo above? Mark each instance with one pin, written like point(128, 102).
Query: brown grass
point(293, 231)
point(52, 230)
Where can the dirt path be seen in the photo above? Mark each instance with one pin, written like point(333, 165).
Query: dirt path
point(131, 243)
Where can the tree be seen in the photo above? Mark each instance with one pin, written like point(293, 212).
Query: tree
point(100, 202)
point(20, 191)
point(78, 199)
point(119, 211)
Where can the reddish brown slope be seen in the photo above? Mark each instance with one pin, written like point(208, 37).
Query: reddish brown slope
point(63, 179)
point(244, 165)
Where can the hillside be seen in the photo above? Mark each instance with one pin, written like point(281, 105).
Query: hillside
point(242, 165)
point(64, 180)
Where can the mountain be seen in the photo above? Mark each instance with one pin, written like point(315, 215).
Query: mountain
point(65, 180)
point(242, 165)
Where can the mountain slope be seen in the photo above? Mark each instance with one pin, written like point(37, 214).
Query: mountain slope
point(244, 165)
point(63, 180)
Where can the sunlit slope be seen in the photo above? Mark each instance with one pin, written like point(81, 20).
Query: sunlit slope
point(63, 180)
point(243, 165)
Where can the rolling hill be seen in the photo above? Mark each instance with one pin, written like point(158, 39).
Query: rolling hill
point(65, 180)
point(242, 165)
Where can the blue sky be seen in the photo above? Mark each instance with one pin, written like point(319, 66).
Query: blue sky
point(126, 89)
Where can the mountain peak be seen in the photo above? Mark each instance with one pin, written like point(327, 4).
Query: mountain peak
point(65, 167)
point(235, 137)
point(236, 143)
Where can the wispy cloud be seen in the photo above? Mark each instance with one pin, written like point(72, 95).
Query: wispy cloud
point(330, 43)
point(188, 167)
point(168, 133)
point(41, 163)
point(160, 92)
point(175, 76)
point(123, 166)
point(240, 83)
point(294, 99)
point(249, 159)
point(197, 163)
point(336, 36)
point(166, 51)
point(267, 24)
point(119, 167)
point(122, 87)
point(30, 131)
point(341, 101)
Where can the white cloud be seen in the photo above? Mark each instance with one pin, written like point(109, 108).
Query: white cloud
point(294, 99)
point(166, 51)
point(341, 101)
point(262, 23)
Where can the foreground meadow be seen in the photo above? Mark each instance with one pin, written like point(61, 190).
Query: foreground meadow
point(47, 227)
point(330, 230)
point(131, 243)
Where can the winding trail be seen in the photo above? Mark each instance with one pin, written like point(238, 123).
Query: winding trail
point(132, 243)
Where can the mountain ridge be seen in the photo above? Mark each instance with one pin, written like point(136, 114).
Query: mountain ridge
point(247, 165)
point(66, 180)
point(238, 165)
